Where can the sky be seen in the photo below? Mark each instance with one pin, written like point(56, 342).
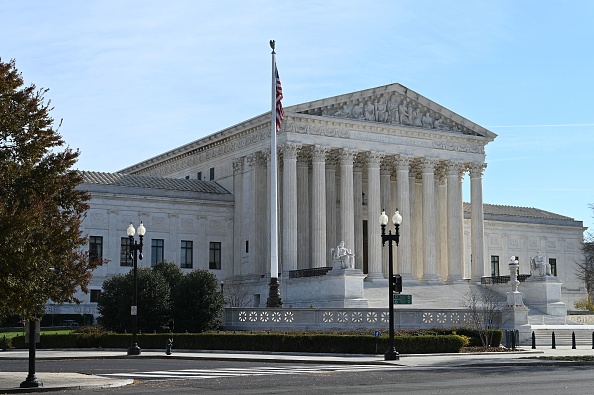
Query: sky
point(133, 79)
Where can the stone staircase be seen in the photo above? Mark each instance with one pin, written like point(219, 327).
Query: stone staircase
point(563, 335)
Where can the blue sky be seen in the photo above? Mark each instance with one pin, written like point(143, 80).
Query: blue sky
point(132, 79)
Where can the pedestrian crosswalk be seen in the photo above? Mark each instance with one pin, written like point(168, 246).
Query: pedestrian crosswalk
point(185, 374)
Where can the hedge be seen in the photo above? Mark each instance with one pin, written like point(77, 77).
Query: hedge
point(271, 342)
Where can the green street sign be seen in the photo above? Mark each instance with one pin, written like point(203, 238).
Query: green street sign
point(402, 299)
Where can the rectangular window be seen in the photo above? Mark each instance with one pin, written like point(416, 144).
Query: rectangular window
point(157, 251)
point(553, 263)
point(187, 252)
point(199, 176)
point(494, 265)
point(125, 258)
point(95, 295)
point(211, 173)
point(96, 248)
point(214, 256)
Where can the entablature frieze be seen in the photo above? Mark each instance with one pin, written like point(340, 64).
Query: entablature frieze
point(425, 139)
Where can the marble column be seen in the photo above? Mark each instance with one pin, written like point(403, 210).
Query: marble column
point(358, 202)
point(347, 212)
point(417, 219)
point(303, 213)
point(455, 241)
point(289, 223)
point(331, 223)
point(385, 203)
point(238, 166)
point(403, 201)
point(477, 221)
point(442, 221)
point(374, 210)
point(429, 221)
point(318, 209)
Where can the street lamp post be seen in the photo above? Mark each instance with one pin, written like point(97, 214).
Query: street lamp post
point(135, 254)
point(391, 354)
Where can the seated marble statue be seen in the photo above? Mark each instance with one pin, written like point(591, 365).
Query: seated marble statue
point(342, 257)
point(538, 266)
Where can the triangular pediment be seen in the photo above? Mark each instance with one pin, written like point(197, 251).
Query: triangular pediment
point(392, 104)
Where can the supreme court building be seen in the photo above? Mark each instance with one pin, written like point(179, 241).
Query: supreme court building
point(341, 160)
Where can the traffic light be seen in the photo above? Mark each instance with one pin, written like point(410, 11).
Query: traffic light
point(397, 283)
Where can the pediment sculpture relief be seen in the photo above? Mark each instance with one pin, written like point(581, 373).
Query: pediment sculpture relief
point(396, 109)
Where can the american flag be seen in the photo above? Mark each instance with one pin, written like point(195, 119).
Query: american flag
point(280, 113)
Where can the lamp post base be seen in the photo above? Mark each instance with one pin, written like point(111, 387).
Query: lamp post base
point(134, 350)
point(391, 355)
point(274, 299)
point(31, 382)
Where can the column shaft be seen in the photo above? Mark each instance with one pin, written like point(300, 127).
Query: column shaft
point(358, 201)
point(429, 221)
point(289, 223)
point(318, 217)
point(346, 198)
point(477, 222)
point(455, 241)
point(403, 201)
point(374, 210)
point(303, 213)
point(331, 223)
point(385, 203)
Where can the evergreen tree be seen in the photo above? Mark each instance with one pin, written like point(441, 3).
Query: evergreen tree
point(41, 245)
point(117, 297)
point(197, 302)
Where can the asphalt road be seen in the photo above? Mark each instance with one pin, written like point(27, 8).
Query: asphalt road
point(246, 378)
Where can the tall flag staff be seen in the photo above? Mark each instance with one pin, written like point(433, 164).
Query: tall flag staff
point(277, 112)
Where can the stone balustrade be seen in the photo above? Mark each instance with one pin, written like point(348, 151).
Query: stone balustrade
point(342, 318)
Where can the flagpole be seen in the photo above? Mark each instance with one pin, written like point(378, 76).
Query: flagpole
point(274, 299)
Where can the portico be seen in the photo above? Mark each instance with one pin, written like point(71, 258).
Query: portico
point(341, 161)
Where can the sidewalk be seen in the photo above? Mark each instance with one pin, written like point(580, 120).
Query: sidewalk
point(9, 382)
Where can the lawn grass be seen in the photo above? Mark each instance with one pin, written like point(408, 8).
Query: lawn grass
point(12, 332)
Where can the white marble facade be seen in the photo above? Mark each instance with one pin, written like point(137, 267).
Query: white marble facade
point(341, 161)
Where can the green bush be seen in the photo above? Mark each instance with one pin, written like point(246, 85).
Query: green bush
point(270, 342)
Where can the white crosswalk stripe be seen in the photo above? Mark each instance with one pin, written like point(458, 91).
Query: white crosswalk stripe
point(185, 374)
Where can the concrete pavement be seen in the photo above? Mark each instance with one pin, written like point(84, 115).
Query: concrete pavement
point(10, 381)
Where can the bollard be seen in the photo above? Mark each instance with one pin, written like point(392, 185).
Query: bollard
point(533, 341)
point(168, 346)
point(573, 340)
point(553, 340)
point(4, 343)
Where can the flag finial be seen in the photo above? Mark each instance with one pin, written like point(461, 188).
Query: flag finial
point(272, 42)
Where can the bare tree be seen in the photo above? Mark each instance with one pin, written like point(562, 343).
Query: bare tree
point(237, 295)
point(585, 268)
point(485, 312)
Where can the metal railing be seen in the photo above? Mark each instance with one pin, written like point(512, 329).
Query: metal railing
point(312, 272)
point(502, 279)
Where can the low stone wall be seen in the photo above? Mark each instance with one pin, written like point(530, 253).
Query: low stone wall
point(341, 318)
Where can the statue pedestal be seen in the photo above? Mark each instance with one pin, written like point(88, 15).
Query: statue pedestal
point(543, 293)
point(515, 317)
point(338, 288)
